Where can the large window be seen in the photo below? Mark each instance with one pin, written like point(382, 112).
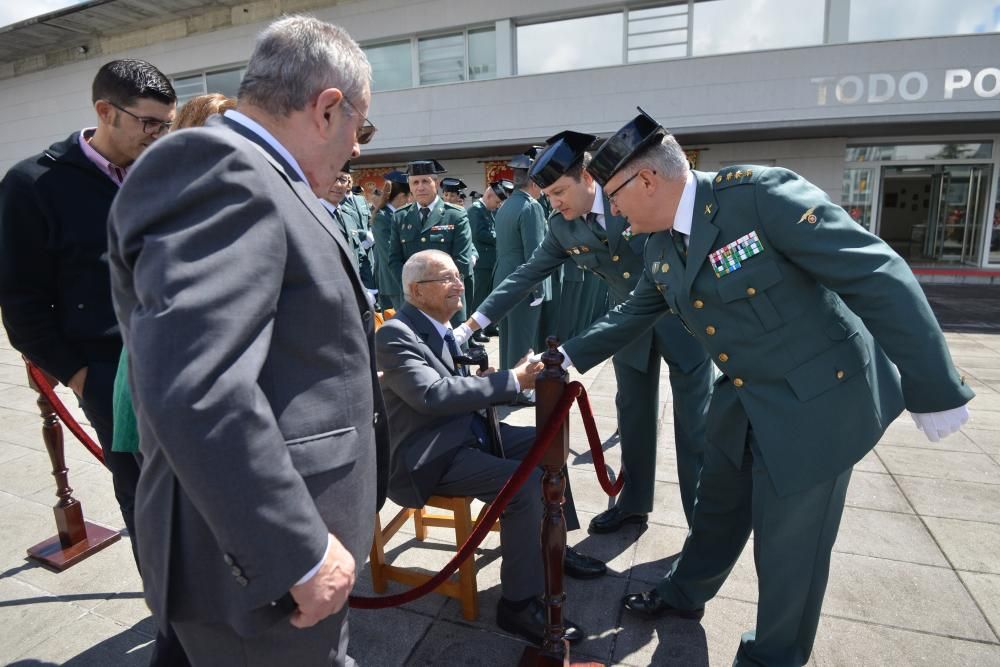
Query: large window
point(729, 26)
point(392, 66)
point(657, 33)
point(225, 81)
point(460, 56)
point(591, 41)
point(887, 19)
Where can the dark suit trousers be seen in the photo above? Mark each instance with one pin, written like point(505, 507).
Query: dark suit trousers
point(474, 472)
point(96, 403)
point(793, 538)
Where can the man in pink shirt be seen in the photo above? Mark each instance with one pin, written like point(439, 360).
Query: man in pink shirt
point(55, 285)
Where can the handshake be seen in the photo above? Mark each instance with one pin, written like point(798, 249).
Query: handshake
point(525, 370)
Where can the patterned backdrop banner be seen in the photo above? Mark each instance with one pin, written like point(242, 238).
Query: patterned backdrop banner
point(370, 178)
point(498, 170)
point(692, 156)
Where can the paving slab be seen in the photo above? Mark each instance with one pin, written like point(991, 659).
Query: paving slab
point(940, 464)
point(888, 535)
point(968, 545)
point(985, 588)
point(951, 499)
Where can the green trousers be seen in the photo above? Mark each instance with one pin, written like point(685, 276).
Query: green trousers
point(638, 412)
point(793, 539)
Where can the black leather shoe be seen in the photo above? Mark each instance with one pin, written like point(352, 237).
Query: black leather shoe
point(580, 566)
point(491, 331)
point(530, 622)
point(651, 604)
point(611, 520)
point(480, 337)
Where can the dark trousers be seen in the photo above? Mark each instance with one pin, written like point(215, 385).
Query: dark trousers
point(793, 539)
point(475, 472)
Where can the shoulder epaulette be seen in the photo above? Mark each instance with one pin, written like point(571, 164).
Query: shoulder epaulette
point(448, 204)
point(737, 175)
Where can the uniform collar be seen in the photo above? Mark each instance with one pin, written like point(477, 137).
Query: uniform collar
point(261, 131)
point(431, 206)
point(684, 216)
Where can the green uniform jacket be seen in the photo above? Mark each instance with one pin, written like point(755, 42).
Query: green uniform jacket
point(484, 235)
point(619, 264)
point(807, 330)
point(388, 282)
point(520, 225)
point(447, 229)
point(354, 218)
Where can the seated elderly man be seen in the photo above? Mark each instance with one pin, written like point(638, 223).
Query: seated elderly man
point(439, 442)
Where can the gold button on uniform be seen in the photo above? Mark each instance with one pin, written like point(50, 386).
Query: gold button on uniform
point(723, 357)
point(626, 275)
point(751, 291)
point(423, 239)
point(840, 375)
point(664, 267)
point(738, 382)
point(698, 303)
point(615, 258)
point(710, 330)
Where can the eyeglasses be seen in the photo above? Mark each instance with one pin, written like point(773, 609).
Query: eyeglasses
point(149, 125)
point(453, 279)
point(612, 195)
point(367, 130)
point(343, 180)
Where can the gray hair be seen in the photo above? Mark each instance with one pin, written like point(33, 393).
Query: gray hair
point(666, 159)
point(296, 58)
point(416, 267)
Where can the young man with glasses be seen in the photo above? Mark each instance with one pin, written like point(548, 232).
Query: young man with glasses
point(584, 232)
point(55, 289)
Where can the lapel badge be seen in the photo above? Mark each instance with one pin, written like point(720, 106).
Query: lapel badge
point(809, 217)
point(708, 209)
point(627, 233)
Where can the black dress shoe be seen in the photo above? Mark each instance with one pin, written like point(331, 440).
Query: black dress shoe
point(580, 566)
point(611, 520)
point(530, 622)
point(491, 331)
point(480, 337)
point(651, 604)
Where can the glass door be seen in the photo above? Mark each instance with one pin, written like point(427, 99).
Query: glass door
point(955, 227)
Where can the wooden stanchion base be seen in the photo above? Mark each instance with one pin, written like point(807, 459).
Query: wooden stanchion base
point(533, 657)
point(51, 552)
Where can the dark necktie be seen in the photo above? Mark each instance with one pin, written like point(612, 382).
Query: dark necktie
point(455, 352)
point(595, 227)
point(678, 239)
point(424, 212)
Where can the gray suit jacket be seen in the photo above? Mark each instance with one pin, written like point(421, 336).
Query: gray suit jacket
point(252, 372)
point(430, 407)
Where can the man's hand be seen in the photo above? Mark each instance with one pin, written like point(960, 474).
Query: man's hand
point(326, 593)
point(472, 324)
point(77, 381)
point(526, 371)
point(937, 425)
point(484, 373)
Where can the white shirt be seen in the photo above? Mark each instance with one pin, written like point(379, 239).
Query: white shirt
point(430, 206)
point(684, 217)
point(262, 132)
point(598, 207)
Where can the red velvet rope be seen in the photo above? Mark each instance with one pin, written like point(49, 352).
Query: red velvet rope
point(42, 384)
point(573, 391)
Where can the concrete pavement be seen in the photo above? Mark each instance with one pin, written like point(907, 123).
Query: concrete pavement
point(915, 575)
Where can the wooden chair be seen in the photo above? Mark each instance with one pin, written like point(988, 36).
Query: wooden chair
point(461, 586)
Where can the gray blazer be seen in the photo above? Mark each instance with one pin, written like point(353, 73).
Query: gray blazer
point(252, 372)
point(430, 406)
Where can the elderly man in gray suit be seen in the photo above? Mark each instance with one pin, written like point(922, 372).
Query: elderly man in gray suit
point(252, 369)
point(440, 443)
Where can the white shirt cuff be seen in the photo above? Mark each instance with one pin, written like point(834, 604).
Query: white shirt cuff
point(481, 319)
point(567, 362)
point(312, 573)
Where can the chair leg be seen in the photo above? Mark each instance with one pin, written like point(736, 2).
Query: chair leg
point(419, 528)
point(467, 570)
point(377, 559)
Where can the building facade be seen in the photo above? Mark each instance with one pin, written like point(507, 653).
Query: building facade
point(891, 106)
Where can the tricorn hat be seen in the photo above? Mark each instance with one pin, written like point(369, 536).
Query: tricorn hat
point(636, 135)
point(395, 176)
point(425, 168)
point(520, 162)
point(452, 184)
point(502, 188)
point(562, 152)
